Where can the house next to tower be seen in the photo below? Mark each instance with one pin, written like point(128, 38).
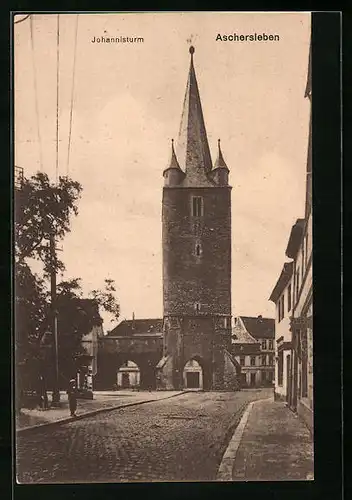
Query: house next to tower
point(190, 347)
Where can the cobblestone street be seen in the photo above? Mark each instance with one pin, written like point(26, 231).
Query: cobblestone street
point(177, 439)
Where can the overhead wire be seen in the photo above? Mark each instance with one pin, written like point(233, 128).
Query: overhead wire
point(72, 97)
point(57, 95)
point(36, 94)
point(23, 19)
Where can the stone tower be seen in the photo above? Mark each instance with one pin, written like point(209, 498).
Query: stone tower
point(196, 236)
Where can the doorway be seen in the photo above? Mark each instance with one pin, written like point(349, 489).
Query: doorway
point(193, 375)
point(192, 380)
point(125, 380)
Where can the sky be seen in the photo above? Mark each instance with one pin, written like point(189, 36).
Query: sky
point(127, 104)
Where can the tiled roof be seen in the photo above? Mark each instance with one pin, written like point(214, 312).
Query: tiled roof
point(242, 349)
point(284, 278)
point(241, 336)
point(259, 328)
point(137, 327)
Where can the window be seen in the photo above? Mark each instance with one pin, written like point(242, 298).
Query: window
point(197, 206)
point(271, 344)
point(252, 360)
point(264, 360)
point(281, 307)
point(280, 368)
point(289, 298)
point(197, 306)
point(242, 360)
point(271, 360)
point(297, 283)
point(263, 344)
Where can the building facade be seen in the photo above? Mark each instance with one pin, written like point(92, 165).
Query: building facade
point(129, 354)
point(253, 345)
point(282, 296)
point(295, 334)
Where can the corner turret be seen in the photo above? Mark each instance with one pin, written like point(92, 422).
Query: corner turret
point(220, 172)
point(173, 175)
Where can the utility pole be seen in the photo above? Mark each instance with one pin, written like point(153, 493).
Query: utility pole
point(56, 388)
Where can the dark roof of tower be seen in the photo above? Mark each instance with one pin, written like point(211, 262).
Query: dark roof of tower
point(137, 327)
point(220, 162)
point(193, 151)
point(259, 327)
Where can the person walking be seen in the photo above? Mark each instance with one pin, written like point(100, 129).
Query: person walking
point(72, 397)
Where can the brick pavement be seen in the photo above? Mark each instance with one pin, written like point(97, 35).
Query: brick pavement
point(177, 439)
point(275, 446)
point(102, 400)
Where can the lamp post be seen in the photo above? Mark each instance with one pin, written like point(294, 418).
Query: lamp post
point(56, 389)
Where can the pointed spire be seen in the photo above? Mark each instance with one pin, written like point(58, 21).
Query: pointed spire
point(193, 149)
point(220, 162)
point(173, 161)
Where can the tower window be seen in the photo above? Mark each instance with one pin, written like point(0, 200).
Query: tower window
point(197, 307)
point(197, 206)
point(198, 249)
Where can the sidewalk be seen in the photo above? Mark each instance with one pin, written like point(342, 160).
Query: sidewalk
point(103, 401)
point(275, 445)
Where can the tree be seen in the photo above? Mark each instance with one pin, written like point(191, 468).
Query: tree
point(31, 314)
point(43, 210)
point(106, 299)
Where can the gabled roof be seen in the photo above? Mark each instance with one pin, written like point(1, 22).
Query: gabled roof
point(137, 327)
point(259, 327)
point(281, 283)
point(241, 336)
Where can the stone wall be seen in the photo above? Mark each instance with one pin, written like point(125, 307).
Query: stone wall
point(189, 278)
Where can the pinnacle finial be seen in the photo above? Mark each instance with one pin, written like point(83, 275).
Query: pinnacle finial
point(191, 50)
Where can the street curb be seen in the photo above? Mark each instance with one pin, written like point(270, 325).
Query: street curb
point(229, 457)
point(66, 420)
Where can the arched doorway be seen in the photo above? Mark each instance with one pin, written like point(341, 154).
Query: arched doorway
point(128, 375)
point(193, 375)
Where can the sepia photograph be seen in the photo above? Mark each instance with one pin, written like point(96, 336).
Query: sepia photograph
point(163, 247)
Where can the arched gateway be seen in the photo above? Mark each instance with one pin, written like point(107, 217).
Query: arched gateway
point(128, 375)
